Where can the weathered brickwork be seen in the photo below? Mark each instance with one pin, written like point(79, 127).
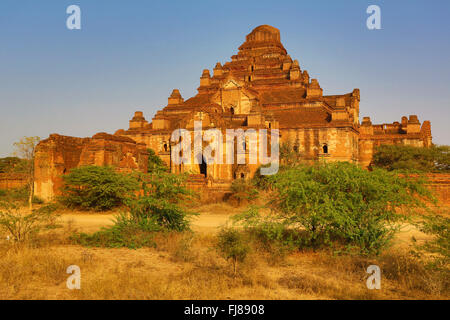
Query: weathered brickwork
point(440, 185)
point(58, 154)
point(13, 180)
point(408, 132)
point(262, 87)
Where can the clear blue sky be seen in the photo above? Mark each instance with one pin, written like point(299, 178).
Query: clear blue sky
point(129, 55)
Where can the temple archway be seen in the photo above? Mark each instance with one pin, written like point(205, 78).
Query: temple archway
point(203, 167)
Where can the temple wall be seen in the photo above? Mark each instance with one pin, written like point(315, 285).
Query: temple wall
point(341, 143)
point(58, 154)
point(13, 180)
point(440, 185)
point(368, 144)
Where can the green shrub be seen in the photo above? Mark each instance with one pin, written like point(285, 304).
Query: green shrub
point(270, 231)
point(165, 185)
point(289, 156)
point(439, 245)
point(98, 188)
point(167, 215)
point(126, 232)
point(157, 209)
point(162, 195)
point(338, 204)
point(155, 163)
point(243, 191)
point(232, 246)
point(21, 224)
point(18, 195)
point(412, 159)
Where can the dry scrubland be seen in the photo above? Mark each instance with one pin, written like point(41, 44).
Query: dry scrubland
point(186, 266)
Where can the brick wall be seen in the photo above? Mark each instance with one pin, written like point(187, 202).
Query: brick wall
point(440, 184)
point(12, 180)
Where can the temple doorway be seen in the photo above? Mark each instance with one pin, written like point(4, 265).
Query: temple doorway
point(203, 167)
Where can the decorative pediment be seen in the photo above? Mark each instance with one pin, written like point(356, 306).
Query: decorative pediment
point(231, 84)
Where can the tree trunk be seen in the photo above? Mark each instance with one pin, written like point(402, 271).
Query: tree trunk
point(31, 181)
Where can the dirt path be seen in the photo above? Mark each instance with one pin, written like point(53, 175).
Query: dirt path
point(210, 219)
point(205, 222)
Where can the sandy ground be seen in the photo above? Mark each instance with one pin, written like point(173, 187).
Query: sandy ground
point(209, 221)
point(204, 223)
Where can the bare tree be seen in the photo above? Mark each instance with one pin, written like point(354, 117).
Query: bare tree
point(25, 149)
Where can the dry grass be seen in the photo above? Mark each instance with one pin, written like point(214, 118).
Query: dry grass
point(186, 266)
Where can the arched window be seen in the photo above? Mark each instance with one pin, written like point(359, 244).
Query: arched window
point(242, 175)
point(232, 110)
point(165, 147)
point(325, 148)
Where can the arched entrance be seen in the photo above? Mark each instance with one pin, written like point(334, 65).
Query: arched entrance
point(203, 167)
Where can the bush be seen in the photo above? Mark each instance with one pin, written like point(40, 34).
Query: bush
point(21, 224)
point(167, 215)
point(439, 246)
point(289, 156)
point(232, 246)
point(155, 163)
point(270, 231)
point(126, 232)
point(243, 191)
point(412, 159)
point(97, 188)
point(157, 209)
point(340, 204)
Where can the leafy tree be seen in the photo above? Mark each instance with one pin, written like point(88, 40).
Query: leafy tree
point(163, 193)
point(439, 245)
point(157, 208)
point(415, 159)
point(232, 246)
point(289, 155)
point(25, 149)
point(98, 188)
point(341, 202)
point(22, 225)
point(165, 185)
point(155, 163)
point(243, 191)
point(125, 232)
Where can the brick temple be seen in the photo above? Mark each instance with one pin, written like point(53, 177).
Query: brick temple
point(262, 87)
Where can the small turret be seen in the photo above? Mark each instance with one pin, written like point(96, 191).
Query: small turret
point(138, 121)
point(287, 63)
point(314, 89)
point(218, 70)
point(175, 98)
point(205, 79)
point(295, 72)
point(413, 124)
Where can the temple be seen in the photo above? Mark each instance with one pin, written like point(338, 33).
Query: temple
point(262, 87)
